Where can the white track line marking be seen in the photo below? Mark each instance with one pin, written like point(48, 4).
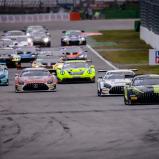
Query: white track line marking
point(102, 58)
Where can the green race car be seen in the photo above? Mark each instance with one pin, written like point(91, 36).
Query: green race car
point(144, 89)
point(76, 70)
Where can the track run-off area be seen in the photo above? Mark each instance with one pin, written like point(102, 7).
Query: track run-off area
point(74, 123)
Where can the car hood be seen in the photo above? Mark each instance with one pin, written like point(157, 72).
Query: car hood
point(2, 74)
point(32, 79)
point(147, 88)
point(116, 82)
point(75, 69)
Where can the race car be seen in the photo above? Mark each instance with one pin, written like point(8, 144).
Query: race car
point(41, 39)
point(6, 43)
point(73, 38)
point(27, 54)
point(21, 41)
point(45, 63)
point(35, 28)
point(144, 89)
point(6, 56)
point(35, 79)
point(4, 80)
point(76, 70)
point(12, 34)
point(113, 82)
point(74, 53)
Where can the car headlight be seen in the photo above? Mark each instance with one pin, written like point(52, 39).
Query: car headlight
point(46, 40)
point(62, 72)
point(66, 39)
point(30, 40)
point(83, 39)
point(106, 85)
point(28, 34)
point(50, 81)
point(21, 82)
point(90, 71)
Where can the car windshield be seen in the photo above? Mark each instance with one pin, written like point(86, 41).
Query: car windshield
point(114, 76)
point(146, 81)
point(41, 34)
point(74, 34)
point(35, 73)
point(75, 65)
point(118, 75)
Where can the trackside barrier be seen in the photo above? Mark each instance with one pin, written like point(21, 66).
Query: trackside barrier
point(75, 16)
point(25, 18)
point(149, 37)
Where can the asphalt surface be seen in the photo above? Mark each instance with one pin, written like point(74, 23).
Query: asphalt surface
point(73, 123)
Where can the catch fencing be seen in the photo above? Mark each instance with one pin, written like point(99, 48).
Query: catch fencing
point(25, 18)
point(149, 13)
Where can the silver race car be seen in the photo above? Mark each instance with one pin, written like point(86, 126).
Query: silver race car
point(113, 82)
point(73, 37)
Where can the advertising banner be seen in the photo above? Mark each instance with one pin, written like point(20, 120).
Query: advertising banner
point(153, 57)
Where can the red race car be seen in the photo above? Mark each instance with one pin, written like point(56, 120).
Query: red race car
point(35, 79)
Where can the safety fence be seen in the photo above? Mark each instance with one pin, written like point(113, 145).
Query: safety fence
point(150, 22)
point(46, 17)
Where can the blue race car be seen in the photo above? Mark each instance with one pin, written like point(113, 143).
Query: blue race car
point(27, 54)
point(4, 80)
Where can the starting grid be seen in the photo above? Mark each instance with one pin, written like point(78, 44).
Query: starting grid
point(25, 18)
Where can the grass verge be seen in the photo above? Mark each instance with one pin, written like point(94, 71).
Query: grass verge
point(124, 49)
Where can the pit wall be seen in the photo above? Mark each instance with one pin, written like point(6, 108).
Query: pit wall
point(149, 37)
point(47, 17)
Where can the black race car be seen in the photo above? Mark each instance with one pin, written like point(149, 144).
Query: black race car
point(142, 89)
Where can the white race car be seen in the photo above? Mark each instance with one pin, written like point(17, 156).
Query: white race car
point(113, 82)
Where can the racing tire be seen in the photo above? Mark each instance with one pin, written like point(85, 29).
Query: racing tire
point(99, 93)
point(93, 80)
point(84, 43)
point(49, 45)
point(130, 102)
point(62, 43)
point(125, 101)
point(16, 91)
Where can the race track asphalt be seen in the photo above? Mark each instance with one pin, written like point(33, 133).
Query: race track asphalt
point(73, 123)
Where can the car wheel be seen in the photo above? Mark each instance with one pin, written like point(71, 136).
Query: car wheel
point(84, 43)
point(93, 80)
point(125, 101)
point(63, 44)
point(16, 91)
point(99, 93)
point(130, 101)
point(49, 45)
